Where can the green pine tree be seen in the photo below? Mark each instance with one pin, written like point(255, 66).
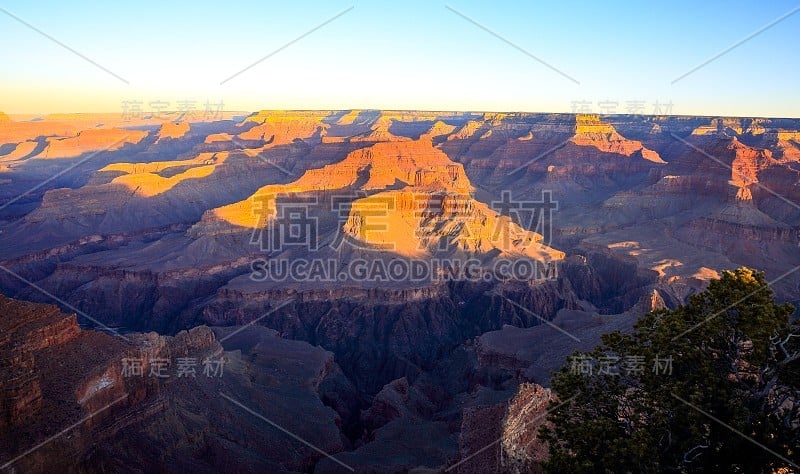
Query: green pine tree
point(647, 402)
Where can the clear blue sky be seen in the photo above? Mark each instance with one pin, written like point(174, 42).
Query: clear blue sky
point(403, 55)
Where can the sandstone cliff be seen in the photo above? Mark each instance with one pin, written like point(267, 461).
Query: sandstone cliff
point(57, 376)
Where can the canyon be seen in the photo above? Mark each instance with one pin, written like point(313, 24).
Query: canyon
point(152, 237)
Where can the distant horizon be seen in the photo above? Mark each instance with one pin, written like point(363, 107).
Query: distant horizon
point(465, 111)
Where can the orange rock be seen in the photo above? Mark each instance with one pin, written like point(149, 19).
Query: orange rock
point(590, 131)
point(280, 128)
point(145, 180)
point(92, 140)
point(173, 130)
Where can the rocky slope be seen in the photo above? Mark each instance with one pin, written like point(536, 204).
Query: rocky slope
point(245, 399)
point(57, 378)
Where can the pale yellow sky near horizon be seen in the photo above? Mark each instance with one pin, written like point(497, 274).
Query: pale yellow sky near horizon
point(723, 59)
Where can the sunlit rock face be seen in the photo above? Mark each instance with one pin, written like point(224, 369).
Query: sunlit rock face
point(172, 130)
point(91, 141)
point(591, 131)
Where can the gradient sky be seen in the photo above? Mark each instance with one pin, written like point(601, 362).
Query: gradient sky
point(404, 55)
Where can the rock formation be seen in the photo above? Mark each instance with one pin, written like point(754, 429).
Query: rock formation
point(172, 130)
point(56, 375)
point(522, 450)
point(91, 141)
